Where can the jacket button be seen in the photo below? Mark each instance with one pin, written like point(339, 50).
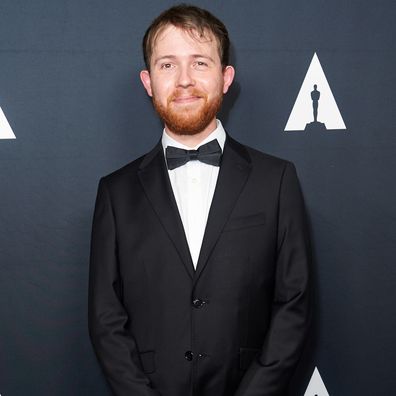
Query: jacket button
point(189, 355)
point(198, 303)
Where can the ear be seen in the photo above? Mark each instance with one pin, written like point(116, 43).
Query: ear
point(146, 80)
point(228, 78)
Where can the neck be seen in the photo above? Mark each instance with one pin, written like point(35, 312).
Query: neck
point(193, 140)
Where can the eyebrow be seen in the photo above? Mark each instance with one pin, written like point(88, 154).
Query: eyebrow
point(195, 56)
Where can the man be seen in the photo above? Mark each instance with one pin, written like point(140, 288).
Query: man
point(199, 271)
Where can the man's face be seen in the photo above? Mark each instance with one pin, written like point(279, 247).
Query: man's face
point(186, 80)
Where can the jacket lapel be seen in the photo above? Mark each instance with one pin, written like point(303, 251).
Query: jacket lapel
point(154, 178)
point(234, 171)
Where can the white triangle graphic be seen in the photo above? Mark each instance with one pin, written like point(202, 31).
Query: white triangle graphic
point(316, 387)
point(5, 128)
point(327, 111)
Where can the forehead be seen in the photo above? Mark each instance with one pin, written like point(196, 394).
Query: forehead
point(172, 40)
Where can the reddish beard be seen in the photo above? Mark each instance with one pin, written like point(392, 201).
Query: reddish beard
point(188, 120)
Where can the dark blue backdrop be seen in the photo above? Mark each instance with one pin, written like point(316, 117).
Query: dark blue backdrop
point(70, 90)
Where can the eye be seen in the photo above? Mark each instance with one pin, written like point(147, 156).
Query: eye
point(166, 66)
point(201, 63)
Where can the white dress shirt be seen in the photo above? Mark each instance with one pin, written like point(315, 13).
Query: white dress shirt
point(193, 186)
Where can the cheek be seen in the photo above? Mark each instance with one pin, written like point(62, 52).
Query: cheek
point(216, 88)
point(210, 85)
point(217, 83)
point(161, 91)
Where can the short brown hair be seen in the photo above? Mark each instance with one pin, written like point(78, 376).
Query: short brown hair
point(193, 20)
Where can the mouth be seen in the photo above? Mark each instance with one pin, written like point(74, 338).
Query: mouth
point(186, 99)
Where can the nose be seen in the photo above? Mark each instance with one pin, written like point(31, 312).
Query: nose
point(185, 78)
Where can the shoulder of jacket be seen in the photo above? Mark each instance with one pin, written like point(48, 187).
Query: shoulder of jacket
point(260, 157)
point(125, 170)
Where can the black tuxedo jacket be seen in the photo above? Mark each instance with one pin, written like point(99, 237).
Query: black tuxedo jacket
point(234, 326)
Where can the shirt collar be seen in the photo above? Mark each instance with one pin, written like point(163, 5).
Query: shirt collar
point(218, 133)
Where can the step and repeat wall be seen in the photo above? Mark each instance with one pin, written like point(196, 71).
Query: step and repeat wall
point(315, 84)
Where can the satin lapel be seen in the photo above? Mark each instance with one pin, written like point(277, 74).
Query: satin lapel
point(234, 171)
point(154, 178)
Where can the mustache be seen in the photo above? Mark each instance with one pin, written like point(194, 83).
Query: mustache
point(180, 94)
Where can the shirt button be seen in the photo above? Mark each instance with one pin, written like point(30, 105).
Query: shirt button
point(194, 180)
point(189, 355)
point(197, 303)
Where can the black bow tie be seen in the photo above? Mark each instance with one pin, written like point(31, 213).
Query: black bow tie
point(209, 153)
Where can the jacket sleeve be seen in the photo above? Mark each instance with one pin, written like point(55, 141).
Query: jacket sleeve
point(270, 372)
point(114, 346)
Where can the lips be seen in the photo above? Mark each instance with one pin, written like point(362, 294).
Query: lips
point(186, 99)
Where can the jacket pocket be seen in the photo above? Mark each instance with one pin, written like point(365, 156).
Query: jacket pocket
point(148, 361)
point(246, 356)
point(235, 223)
